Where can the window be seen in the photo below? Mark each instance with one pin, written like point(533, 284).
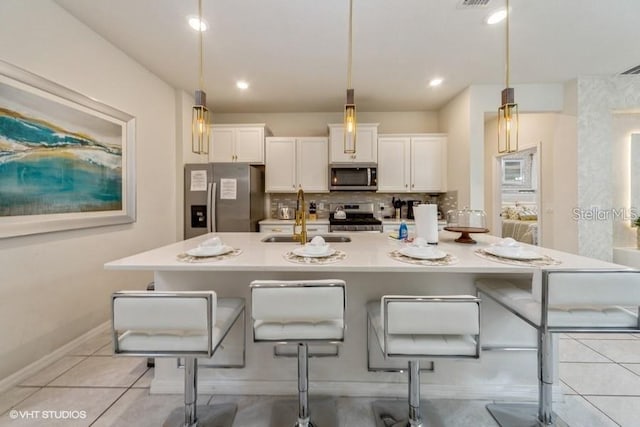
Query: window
point(512, 171)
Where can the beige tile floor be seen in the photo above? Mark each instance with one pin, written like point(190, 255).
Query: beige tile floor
point(600, 375)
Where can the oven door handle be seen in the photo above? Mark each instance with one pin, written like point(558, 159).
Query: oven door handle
point(368, 177)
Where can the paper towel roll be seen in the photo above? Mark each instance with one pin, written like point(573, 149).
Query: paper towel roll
point(426, 217)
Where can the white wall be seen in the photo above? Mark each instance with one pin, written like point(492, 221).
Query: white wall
point(53, 287)
point(464, 118)
point(454, 121)
point(315, 124)
point(598, 99)
point(565, 166)
point(534, 129)
point(531, 98)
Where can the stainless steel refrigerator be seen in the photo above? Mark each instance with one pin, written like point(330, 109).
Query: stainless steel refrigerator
point(222, 197)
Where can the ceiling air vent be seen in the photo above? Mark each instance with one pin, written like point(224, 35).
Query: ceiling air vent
point(467, 4)
point(634, 70)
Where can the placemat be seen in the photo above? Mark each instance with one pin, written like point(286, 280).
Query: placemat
point(545, 260)
point(338, 255)
point(188, 258)
point(448, 260)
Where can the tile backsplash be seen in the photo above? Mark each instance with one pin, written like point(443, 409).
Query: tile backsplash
point(445, 201)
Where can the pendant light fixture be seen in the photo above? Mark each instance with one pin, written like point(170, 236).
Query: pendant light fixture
point(350, 107)
point(508, 111)
point(199, 113)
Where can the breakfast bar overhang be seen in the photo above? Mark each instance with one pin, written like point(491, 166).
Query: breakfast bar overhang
point(370, 271)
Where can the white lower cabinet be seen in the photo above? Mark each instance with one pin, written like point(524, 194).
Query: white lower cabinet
point(293, 163)
point(274, 229)
point(412, 163)
point(312, 229)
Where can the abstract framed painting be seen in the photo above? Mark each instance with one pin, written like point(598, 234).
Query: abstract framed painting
point(66, 161)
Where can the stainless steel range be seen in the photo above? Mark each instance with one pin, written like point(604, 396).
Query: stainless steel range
point(353, 217)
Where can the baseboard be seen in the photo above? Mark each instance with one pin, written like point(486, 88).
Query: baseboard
point(358, 389)
point(29, 370)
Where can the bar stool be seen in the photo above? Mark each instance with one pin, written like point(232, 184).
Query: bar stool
point(572, 301)
point(421, 326)
point(177, 324)
point(300, 312)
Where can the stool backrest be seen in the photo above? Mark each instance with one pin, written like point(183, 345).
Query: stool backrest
point(297, 301)
point(593, 287)
point(149, 311)
point(439, 315)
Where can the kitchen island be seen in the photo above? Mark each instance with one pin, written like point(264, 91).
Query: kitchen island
point(369, 272)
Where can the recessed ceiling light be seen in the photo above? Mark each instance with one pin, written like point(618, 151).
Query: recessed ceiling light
point(435, 82)
point(197, 24)
point(241, 84)
point(497, 16)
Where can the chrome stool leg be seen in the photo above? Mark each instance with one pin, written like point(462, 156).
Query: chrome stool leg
point(415, 418)
point(303, 386)
point(190, 391)
point(531, 415)
point(394, 413)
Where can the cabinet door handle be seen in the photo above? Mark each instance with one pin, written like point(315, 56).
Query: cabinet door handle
point(312, 229)
point(413, 185)
point(276, 230)
point(406, 185)
point(293, 186)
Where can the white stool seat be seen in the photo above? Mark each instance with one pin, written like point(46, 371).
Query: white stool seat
point(526, 306)
point(299, 331)
point(154, 341)
point(419, 344)
point(158, 341)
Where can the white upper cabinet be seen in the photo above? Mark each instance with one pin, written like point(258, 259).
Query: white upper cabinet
point(293, 163)
point(313, 164)
point(412, 163)
point(280, 170)
point(393, 164)
point(238, 143)
point(429, 164)
point(366, 144)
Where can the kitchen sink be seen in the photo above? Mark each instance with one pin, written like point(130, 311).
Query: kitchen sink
point(288, 238)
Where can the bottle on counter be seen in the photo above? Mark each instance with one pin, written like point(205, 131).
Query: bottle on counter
point(403, 231)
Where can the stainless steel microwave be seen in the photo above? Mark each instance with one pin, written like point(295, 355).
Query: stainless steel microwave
point(353, 177)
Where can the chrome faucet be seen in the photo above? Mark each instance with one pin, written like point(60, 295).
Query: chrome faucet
point(301, 220)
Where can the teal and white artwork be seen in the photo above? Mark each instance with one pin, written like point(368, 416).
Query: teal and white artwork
point(61, 155)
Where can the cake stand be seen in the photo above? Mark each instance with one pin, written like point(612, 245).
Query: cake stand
point(465, 237)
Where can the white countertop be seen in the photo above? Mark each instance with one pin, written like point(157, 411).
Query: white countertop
point(367, 252)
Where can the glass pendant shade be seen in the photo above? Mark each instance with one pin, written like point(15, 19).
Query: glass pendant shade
point(350, 124)
point(508, 123)
point(200, 125)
